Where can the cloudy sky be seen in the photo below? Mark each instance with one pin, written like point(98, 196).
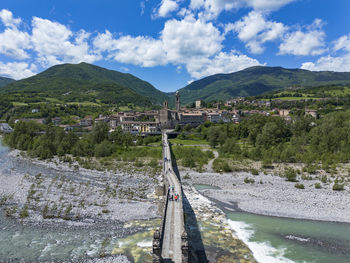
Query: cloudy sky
point(173, 42)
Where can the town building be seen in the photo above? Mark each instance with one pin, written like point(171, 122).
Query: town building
point(198, 104)
point(312, 113)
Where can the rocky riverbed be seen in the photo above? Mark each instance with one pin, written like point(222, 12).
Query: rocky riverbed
point(273, 195)
point(58, 211)
point(57, 193)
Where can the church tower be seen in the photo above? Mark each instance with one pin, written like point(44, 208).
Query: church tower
point(177, 102)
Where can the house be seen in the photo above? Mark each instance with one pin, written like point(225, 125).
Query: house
point(192, 118)
point(56, 121)
point(312, 113)
point(102, 119)
point(35, 110)
point(283, 113)
point(87, 121)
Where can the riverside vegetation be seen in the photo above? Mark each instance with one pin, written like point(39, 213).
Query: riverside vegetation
point(99, 148)
point(304, 148)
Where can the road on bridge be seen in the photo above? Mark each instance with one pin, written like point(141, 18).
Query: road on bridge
point(171, 248)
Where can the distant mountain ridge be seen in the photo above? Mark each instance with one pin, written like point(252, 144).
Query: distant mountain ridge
point(257, 80)
point(5, 81)
point(77, 82)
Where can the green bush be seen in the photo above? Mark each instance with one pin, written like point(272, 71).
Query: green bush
point(306, 177)
point(254, 172)
point(24, 212)
point(139, 163)
point(318, 186)
point(338, 187)
point(299, 186)
point(249, 181)
point(221, 165)
point(324, 179)
point(291, 175)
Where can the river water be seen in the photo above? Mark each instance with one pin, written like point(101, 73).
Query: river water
point(274, 239)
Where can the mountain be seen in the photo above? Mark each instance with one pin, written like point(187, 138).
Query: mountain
point(5, 81)
point(257, 80)
point(86, 82)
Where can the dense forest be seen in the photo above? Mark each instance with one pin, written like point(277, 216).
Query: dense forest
point(272, 139)
point(45, 141)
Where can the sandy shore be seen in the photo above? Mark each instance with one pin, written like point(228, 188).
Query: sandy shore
point(274, 196)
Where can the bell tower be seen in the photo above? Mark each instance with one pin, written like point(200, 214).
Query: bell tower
point(165, 104)
point(177, 101)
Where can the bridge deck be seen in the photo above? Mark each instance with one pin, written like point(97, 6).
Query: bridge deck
point(171, 249)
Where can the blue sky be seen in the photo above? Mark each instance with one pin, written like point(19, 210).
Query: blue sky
point(173, 42)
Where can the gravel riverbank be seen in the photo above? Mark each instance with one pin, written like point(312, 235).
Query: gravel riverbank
point(55, 192)
point(274, 196)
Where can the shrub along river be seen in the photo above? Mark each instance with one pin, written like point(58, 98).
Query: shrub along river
point(275, 239)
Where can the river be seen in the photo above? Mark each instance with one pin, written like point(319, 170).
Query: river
point(275, 239)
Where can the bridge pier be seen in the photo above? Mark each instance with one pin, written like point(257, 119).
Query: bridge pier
point(156, 247)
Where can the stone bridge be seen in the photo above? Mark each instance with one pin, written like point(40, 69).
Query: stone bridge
point(170, 242)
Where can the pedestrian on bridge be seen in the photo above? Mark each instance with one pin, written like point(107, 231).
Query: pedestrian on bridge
point(176, 197)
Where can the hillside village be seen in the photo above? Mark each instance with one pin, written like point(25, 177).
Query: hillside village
point(153, 121)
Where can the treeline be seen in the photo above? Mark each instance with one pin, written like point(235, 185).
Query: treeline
point(272, 139)
point(46, 141)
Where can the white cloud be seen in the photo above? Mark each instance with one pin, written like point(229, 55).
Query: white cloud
point(306, 43)
point(329, 63)
point(56, 44)
point(190, 37)
point(166, 7)
point(343, 43)
point(7, 19)
point(268, 5)
point(254, 30)
point(181, 42)
point(337, 62)
point(140, 50)
point(13, 43)
point(212, 8)
point(17, 70)
point(221, 63)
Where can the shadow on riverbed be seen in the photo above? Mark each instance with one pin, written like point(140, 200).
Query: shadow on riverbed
point(197, 250)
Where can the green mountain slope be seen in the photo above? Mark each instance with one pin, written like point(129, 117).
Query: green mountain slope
point(5, 81)
point(257, 80)
point(86, 82)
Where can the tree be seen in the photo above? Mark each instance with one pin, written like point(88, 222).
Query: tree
point(104, 149)
point(99, 132)
point(230, 147)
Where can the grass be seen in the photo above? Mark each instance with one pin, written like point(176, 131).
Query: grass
point(54, 100)
point(19, 104)
point(188, 142)
point(85, 103)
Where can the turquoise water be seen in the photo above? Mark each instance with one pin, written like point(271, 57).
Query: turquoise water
point(274, 239)
point(297, 240)
point(205, 186)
